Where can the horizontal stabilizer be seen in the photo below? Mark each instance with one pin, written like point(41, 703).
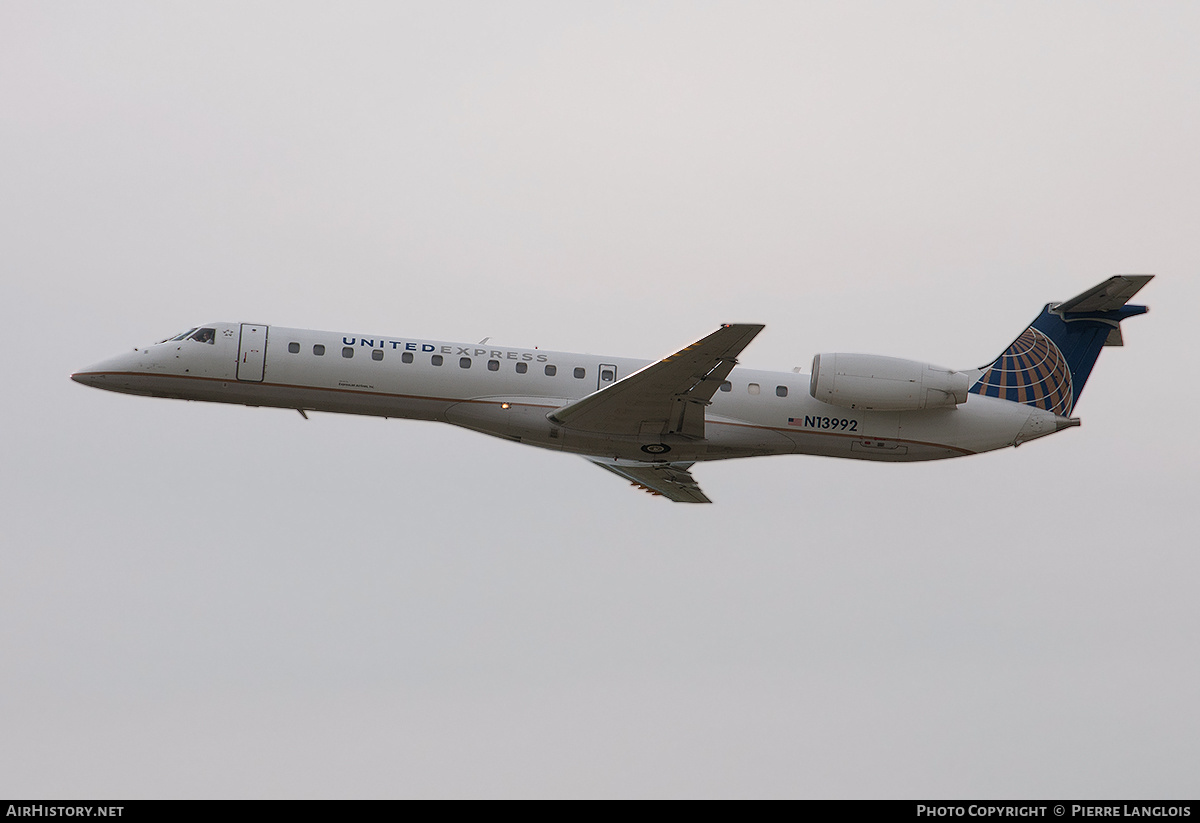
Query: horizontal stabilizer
point(1110, 295)
point(670, 480)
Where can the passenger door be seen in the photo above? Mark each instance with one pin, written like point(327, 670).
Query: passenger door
point(252, 353)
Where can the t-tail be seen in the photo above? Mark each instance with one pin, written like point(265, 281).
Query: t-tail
point(1048, 365)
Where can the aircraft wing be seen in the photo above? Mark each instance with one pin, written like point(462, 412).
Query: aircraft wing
point(671, 480)
point(666, 397)
point(1112, 294)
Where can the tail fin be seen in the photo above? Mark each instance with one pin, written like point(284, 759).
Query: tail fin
point(1049, 363)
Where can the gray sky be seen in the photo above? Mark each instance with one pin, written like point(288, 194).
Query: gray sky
point(216, 601)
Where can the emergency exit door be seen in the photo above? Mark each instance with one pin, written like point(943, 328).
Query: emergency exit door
point(252, 353)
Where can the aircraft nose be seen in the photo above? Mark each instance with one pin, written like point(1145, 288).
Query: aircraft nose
point(107, 373)
point(86, 377)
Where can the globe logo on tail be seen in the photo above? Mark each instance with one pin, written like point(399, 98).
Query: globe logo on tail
point(1031, 371)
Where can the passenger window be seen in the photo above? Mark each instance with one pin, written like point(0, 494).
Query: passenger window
point(607, 374)
point(551, 371)
point(781, 391)
point(726, 386)
point(522, 368)
point(376, 354)
point(319, 350)
point(493, 365)
point(579, 373)
point(753, 388)
point(464, 362)
point(294, 348)
point(406, 357)
point(436, 360)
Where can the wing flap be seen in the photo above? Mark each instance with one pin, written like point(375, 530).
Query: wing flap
point(666, 397)
point(670, 480)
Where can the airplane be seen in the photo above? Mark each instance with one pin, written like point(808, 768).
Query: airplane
point(650, 422)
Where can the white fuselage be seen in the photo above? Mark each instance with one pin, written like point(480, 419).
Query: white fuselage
point(508, 392)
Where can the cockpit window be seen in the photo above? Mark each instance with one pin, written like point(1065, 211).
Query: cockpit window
point(179, 336)
point(204, 336)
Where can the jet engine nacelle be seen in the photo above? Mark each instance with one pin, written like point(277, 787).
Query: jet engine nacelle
point(869, 381)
